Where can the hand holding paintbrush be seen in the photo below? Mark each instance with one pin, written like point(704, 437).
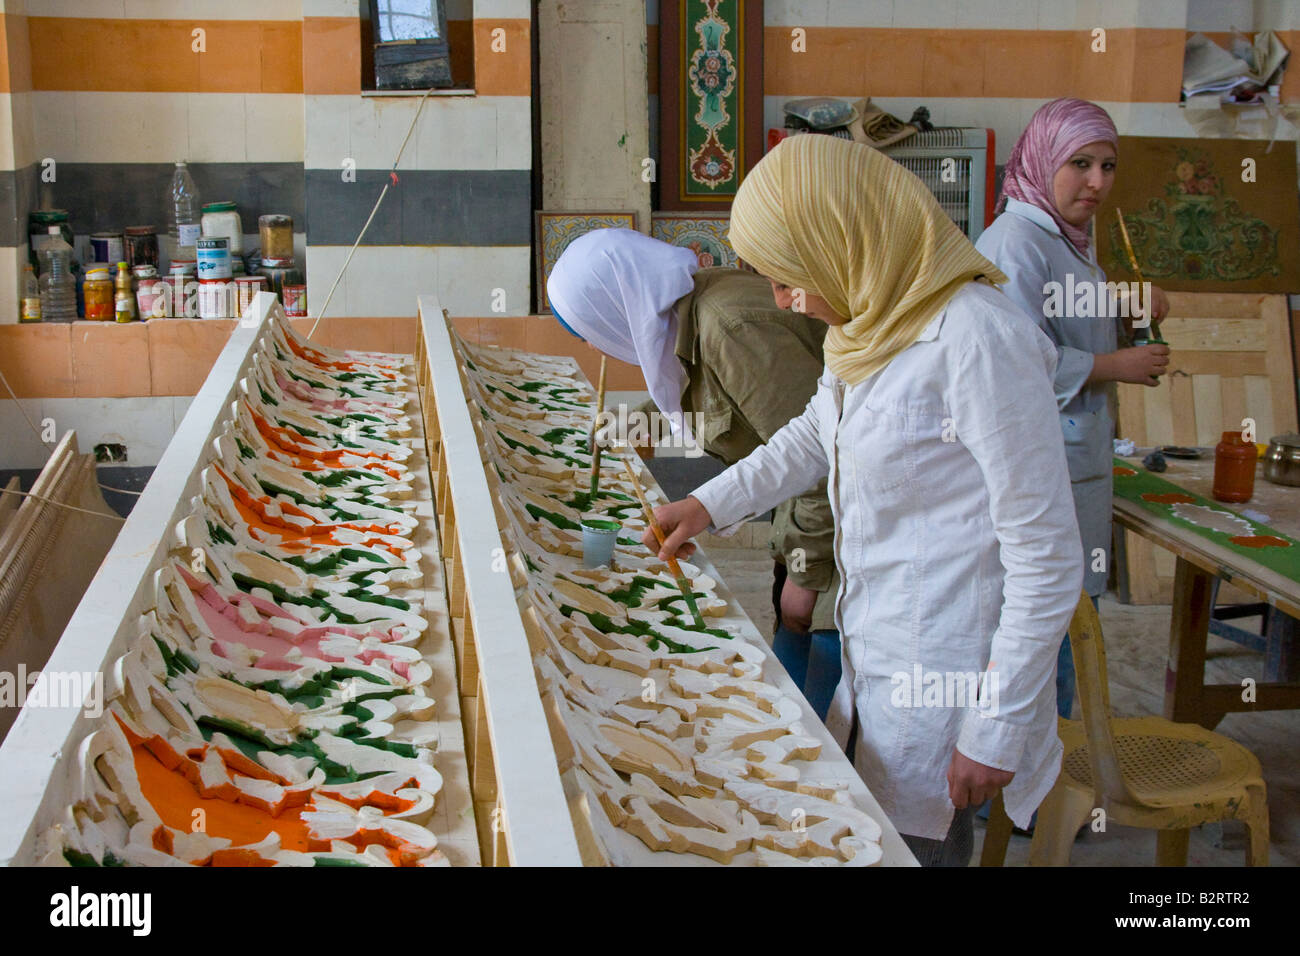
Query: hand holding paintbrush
point(682, 584)
point(1149, 305)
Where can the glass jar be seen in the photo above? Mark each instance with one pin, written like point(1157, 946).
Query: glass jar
point(1234, 468)
point(141, 244)
point(98, 293)
point(276, 235)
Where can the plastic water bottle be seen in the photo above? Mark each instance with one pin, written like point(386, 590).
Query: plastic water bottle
point(58, 289)
point(184, 220)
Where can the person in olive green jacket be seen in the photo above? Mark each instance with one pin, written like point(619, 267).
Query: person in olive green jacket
point(729, 368)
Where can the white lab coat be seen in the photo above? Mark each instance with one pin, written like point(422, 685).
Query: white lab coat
point(1027, 245)
point(957, 550)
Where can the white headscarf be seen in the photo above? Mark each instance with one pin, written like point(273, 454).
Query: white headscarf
point(616, 288)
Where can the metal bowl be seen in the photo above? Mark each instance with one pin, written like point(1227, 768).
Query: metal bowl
point(1282, 460)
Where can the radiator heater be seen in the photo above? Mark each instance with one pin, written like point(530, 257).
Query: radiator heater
point(956, 163)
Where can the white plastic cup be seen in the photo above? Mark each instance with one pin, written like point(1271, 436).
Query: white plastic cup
point(598, 538)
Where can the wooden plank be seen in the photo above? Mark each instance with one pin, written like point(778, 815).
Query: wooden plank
point(1227, 364)
point(1159, 414)
point(1208, 404)
point(1218, 305)
point(1182, 400)
point(1259, 406)
point(528, 781)
point(1281, 369)
point(1233, 395)
point(1216, 335)
point(1132, 420)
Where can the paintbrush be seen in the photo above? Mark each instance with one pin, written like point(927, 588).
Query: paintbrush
point(682, 584)
point(1137, 270)
point(591, 436)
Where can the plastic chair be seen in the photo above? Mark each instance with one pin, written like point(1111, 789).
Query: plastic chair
point(1142, 771)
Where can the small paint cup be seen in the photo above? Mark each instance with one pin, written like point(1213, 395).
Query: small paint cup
point(598, 537)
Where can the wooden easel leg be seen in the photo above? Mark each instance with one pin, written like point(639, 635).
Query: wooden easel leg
point(1188, 629)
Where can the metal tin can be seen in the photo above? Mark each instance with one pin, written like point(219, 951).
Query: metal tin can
point(295, 300)
point(213, 258)
point(149, 292)
point(107, 246)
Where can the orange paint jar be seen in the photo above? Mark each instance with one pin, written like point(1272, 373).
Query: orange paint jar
point(98, 291)
point(1234, 468)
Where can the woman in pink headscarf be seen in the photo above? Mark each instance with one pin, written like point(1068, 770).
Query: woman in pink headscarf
point(1059, 173)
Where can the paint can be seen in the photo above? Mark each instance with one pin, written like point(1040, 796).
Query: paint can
point(213, 258)
point(107, 247)
point(295, 300)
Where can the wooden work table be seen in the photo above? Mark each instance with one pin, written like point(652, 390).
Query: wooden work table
point(1200, 565)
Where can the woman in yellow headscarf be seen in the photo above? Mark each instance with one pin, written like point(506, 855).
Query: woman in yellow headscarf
point(936, 424)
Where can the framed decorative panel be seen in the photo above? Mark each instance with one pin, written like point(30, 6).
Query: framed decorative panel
point(1204, 215)
point(710, 100)
point(704, 234)
point(555, 230)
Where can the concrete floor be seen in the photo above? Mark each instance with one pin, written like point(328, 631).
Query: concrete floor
point(1137, 641)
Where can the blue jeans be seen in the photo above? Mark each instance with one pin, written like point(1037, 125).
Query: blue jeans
point(813, 663)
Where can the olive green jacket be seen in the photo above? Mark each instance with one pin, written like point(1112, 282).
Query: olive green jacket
point(750, 368)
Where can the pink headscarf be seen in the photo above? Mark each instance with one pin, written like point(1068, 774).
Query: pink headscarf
point(1056, 132)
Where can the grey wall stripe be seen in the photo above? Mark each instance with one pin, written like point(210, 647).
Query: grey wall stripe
point(428, 207)
point(103, 196)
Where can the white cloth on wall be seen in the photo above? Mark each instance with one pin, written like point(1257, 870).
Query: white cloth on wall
point(616, 288)
point(957, 550)
point(1026, 244)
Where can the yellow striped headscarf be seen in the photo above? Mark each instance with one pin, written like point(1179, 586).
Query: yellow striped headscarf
point(845, 222)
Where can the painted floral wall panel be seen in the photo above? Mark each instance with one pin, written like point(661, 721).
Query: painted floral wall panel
point(1205, 215)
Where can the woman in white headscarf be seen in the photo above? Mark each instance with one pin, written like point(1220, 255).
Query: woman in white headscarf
point(723, 361)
